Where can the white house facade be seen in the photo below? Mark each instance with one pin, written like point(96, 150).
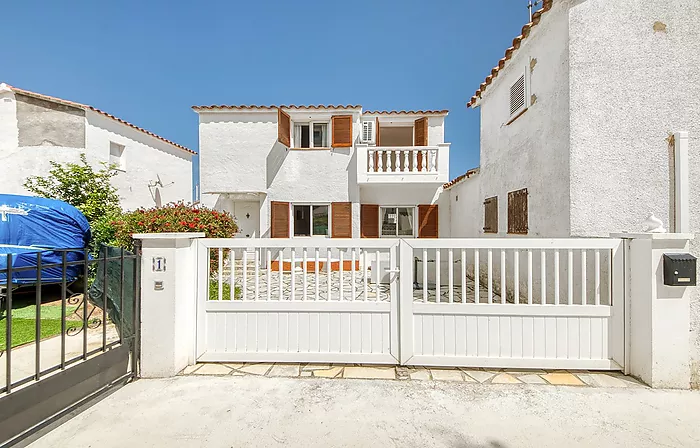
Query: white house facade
point(324, 171)
point(36, 129)
point(581, 125)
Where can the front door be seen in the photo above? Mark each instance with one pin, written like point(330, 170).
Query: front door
point(247, 214)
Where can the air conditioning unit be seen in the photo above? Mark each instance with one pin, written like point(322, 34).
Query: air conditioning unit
point(368, 131)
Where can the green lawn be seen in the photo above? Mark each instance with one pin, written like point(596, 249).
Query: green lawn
point(23, 323)
point(225, 291)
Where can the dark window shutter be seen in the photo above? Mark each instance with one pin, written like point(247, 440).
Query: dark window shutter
point(420, 132)
point(284, 128)
point(427, 221)
point(341, 220)
point(342, 131)
point(369, 221)
point(491, 215)
point(279, 219)
point(517, 212)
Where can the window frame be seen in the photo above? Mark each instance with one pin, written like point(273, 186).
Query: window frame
point(296, 144)
point(121, 163)
point(397, 207)
point(311, 230)
point(526, 91)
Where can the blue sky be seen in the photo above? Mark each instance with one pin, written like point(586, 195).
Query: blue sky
point(149, 61)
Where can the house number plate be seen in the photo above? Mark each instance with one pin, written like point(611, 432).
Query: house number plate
point(158, 264)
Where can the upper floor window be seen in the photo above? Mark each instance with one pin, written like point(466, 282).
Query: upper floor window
point(116, 156)
point(311, 135)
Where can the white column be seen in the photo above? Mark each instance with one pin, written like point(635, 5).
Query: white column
point(361, 154)
point(168, 302)
point(682, 186)
point(443, 162)
point(658, 316)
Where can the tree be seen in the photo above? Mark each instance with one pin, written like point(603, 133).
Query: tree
point(80, 185)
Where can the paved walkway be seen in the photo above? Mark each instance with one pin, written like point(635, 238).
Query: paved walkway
point(251, 411)
point(480, 376)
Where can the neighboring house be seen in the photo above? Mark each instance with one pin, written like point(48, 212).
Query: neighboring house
point(577, 120)
point(36, 129)
point(325, 171)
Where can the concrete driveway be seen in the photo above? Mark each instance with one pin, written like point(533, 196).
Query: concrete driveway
point(310, 412)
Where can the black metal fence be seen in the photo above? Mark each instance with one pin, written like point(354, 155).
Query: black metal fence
point(99, 316)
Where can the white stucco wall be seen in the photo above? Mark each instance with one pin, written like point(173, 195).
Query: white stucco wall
point(466, 208)
point(145, 157)
point(634, 80)
point(532, 151)
point(436, 130)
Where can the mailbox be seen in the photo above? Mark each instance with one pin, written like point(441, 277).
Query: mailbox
point(679, 270)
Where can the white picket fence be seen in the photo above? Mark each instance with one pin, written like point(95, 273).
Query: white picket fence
point(535, 303)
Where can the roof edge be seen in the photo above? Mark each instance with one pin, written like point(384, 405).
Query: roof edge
point(461, 178)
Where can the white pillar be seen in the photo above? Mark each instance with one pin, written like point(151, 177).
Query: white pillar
point(657, 316)
point(168, 302)
point(682, 186)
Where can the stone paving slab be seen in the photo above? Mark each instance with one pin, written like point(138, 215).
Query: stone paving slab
point(580, 378)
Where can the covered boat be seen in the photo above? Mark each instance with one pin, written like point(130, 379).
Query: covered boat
point(32, 225)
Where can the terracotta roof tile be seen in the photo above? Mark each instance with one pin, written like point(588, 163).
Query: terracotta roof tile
point(273, 107)
point(406, 112)
point(460, 178)
point(94, 109)
point(525, 32)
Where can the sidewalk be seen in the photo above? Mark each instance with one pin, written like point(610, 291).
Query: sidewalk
point(233, 411)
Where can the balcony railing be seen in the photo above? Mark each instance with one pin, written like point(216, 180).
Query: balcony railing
point(403, 164)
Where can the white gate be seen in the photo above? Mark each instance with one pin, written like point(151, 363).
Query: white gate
point(528, 303)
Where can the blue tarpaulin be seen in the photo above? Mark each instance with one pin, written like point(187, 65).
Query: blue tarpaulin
point(31, 225)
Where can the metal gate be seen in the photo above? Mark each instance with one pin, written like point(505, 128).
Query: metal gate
point(527, 303)
point(67, 337)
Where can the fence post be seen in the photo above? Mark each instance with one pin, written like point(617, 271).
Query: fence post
point(659, 316)
point(405, 298)
point(168, 302)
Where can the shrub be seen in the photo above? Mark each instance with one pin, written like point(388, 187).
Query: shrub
point(178, 217)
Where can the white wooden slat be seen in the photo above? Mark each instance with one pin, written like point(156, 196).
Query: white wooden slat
point(460, 335)
point(314, 334)
point(376, 341)
point(450, 276)
point(516, 336)
point(438, 335)
point(353, 275)
point(365, 274)
point(494, 342)
point(221, 274)
point(449, 335)
point(244, 277)
point(489, 256)
point(340, 274)
point(438, 286)
point(528, 337)
point(516, 276)
point(504, 292)
point(476, 276)
point(418, 335)
point(268, 275)
point(378, 275)
point(305, 270)
point(539, 339)
point(316, 273)
point(570, 274)
point(328, 274)
point(428, 342)
point(529, 277)
point(257, 274)
point(573, 329)
point(543, 279)
point(556, 277)
point(551, 337)
point(482, 336)
point(472, 335)
point(280, 267)
point(292, 273)
point(597, 277)
point(504, 337)
point(584, 265)
point(232, 274)
point(424, 264)
point(463, 274)
point(562, 338)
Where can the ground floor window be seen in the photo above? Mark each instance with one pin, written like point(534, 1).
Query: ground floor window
point(310, 220)
point(397, 221)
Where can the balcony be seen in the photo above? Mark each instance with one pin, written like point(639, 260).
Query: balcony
point(387, 164)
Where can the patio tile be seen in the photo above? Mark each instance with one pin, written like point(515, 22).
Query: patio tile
point(372, 373)
point(603, 380)
point(422, 374)
point(288, 370)
point(191, 369)
point(306, 373)
point(562, 379)
point(505, 378)
point(333, 372)
point(213, 369)
point(531, 379)
point(234, 365)
point(479, 375)
point(446, 375)
point(255, 369)
point(312, 367)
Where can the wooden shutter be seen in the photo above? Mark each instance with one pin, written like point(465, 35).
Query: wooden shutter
point(517, 212)
point(341, 220)
point(491, 215)
point(284, 128)
point(369, 221)
point(420, 132)
point(427, 221)
point(342, 131)
point(279, 219)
